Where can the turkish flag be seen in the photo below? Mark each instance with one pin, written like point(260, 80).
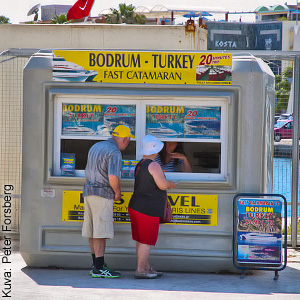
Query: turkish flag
point(80, 9)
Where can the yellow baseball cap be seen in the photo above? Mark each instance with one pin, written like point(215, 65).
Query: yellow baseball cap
point(122, 132)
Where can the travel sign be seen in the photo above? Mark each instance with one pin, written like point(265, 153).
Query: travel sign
point(142, 67)
point(188, 209)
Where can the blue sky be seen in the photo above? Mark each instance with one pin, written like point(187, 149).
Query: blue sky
point(17, 10)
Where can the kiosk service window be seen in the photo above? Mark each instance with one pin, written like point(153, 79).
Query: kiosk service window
point(198, 123)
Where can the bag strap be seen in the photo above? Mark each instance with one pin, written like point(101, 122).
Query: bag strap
point(138, 167)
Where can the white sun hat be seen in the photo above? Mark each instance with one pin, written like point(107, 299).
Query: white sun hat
point(151, 145)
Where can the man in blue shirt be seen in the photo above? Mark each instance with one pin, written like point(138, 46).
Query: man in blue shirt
point(102, 186)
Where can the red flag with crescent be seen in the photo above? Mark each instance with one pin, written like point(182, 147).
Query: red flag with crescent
point(80, 9)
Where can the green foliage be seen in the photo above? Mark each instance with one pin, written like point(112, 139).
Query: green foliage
point(282, 19)
point(283, 85)
point(289, 228)
point(282, 90)
point(125, 14)
point(278, 78)
point(61, 19)
point(4, 20)
point(288, 72)
point(114, 17)
point(140, 19)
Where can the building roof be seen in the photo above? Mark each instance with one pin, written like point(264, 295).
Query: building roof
point(280, 8)
point(177, 10)
point(274, 8)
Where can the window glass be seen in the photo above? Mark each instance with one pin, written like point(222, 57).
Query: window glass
point(204, 157)
point(81, 148)
point(199, 129)
point(199, 125)
point(79, 124)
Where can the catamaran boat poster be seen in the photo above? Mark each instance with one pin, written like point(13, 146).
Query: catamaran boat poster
point(63, 70)
point(183, 122)
point(96, 119)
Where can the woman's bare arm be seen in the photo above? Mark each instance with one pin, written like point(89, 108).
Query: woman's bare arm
point(159, 177)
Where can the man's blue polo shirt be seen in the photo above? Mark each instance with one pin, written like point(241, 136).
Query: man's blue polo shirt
point(104, 158)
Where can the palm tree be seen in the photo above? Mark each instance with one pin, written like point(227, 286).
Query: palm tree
point(125, 14)
point(4, 20)
point(114, 17)
point(140, 19)
point(61, 19)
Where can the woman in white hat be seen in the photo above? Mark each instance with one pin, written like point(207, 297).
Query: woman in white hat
point(147, 205)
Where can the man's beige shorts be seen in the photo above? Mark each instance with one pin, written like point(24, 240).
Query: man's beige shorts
point(98, 217)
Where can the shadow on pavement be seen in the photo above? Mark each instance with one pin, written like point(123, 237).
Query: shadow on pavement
point(259, 282)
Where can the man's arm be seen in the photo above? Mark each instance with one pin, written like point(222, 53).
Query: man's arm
point(115, 184)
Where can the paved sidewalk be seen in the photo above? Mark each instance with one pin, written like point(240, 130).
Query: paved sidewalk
point(60, 284)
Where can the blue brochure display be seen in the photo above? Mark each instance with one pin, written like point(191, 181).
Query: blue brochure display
point(258, 232)
point(68, 164)
point(128, 167)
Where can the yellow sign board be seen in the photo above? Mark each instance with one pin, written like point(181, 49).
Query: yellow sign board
point(142, 67)
point(188, 209)
point(72, 206)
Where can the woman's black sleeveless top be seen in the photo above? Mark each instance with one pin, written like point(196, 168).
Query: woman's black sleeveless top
point(147, 197)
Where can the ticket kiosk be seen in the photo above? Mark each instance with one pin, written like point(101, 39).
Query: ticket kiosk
point(218, 106)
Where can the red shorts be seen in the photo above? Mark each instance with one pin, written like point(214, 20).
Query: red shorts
point(144, 228)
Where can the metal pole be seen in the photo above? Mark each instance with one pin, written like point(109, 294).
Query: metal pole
point(295, 155)
point(297, 14)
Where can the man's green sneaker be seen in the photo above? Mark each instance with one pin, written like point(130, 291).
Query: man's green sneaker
point(104, 273)
point(105, 267)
